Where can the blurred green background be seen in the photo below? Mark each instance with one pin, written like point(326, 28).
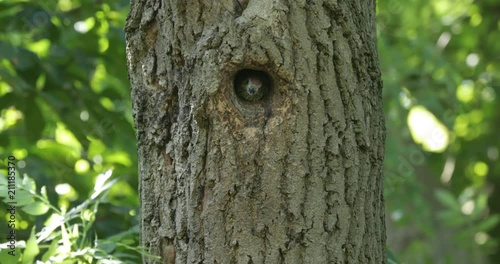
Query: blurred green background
point(66, 116)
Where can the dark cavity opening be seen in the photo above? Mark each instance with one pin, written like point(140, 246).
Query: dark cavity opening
point(252, 85)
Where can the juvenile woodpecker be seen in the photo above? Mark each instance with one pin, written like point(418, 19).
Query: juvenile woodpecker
point(251, 89)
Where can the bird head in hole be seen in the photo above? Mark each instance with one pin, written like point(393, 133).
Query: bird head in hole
point(253, 85)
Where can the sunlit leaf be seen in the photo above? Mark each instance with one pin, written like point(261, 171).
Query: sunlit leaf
point(36, 208)
point(21, 198)
point(43, 192)
point(427, 130)
point(32, 249)
point(51, 251)
point(3, 181)
point(10, 256)
point(28, 183)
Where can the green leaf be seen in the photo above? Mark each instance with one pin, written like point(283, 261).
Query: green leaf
point(34, 121)
point(32, 249)
point(43, 192)
point(28, 183)
point(21, 198)
point(107, 246)
point(51, 251)
point(7, 50)
point(24, 59)
point(101, 184)
point(391, 259)
point(481, 204)
point(447, 199)
point(6, 101)
point(488, 223)
point(36, 208)
point(12, 258)
point(3, 179)
point(3, 190)
point(453, 218)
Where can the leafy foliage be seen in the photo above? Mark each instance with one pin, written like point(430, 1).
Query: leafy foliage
point(67, 236)
point(66, 110)
point(440, 60)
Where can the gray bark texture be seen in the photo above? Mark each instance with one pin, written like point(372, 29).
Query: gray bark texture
point(293, 178)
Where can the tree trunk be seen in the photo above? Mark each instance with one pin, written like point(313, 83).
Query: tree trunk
point(295, 177)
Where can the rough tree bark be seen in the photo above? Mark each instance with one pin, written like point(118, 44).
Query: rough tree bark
point(293, 178)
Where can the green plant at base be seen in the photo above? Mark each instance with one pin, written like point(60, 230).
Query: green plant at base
point(67, 236)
